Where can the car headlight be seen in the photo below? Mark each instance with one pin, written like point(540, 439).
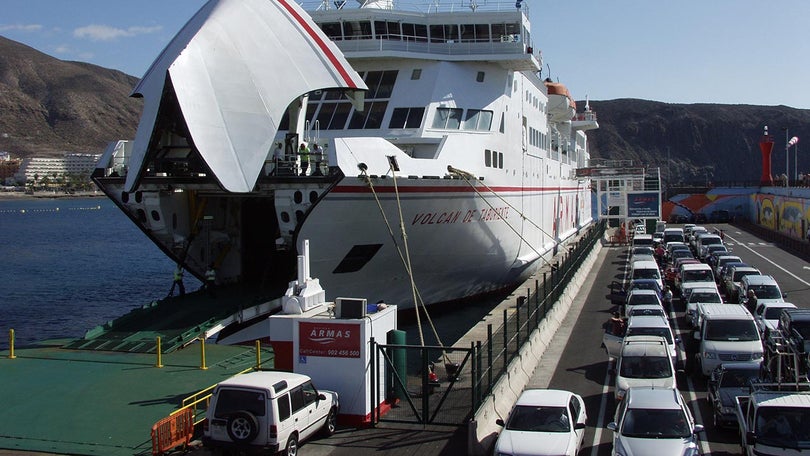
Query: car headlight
point(756, 356)
point(709, 355)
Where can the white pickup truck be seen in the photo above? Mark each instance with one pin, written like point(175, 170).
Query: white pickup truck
point(774, 421)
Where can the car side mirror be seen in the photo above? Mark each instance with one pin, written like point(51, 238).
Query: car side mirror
point(500, 422)
point(579, 426)
point(321, 397)
point(612, 426)
point(697, 429)
point(784, 295)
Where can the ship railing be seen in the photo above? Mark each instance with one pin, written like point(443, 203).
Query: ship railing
point(425, 7)
point(446, 48)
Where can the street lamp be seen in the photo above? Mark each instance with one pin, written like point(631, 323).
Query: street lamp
point(794, 141)
point(787, 153)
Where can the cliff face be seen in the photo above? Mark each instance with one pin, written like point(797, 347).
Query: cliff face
point(49, 106)
point(697, 142)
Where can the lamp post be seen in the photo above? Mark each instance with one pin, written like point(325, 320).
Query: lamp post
point(787, 153)
point(794, 141)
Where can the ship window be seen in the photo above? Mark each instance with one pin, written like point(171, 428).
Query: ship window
point(155, 215)
point(406, 118)
point(416, 74)
point(414, 32)
point(357, 30)
point(332, 116)
point(447, 118)
point(476, 119)
point(487, 158)
point(500, 160)
point(332, 30)
point(371, 118)
point(479, 77)
point(387, 30)
point(502, 127)
point(482, 33)
point(357, 257)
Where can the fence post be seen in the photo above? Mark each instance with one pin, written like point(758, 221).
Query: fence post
point(479, 382)
point(489, 358)
point(202, 354)
point(374, 380)
point(474, 377)
point(258, 354)
point(11, 354)
point(528, 313)
point(505, 340)
point(159, 351)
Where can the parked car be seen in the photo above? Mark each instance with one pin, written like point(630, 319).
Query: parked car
point(654, 421)
point(268, 410)
point(728, 381)
point(543, 422)
point(732, 281)
point(767, 314)
point(644, 361)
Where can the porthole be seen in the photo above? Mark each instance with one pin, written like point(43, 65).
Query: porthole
point(298, 197)
point(141, 216)
point(313, 196)
point(299, 216)
point(125, 197)
point(138, 197)
point(285, 217)
point(155, 216)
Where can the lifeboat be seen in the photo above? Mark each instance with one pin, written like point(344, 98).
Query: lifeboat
point(561, 107)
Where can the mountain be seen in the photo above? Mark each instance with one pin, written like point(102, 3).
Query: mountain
point(697, 142)
point(50, 106)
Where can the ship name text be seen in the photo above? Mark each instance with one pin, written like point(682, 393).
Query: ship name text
point(470, 215)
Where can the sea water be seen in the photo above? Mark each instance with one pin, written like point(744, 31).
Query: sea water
point(67, 265)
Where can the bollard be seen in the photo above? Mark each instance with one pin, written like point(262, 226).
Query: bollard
point(159, 362)
point(11, 344)
point(258, 354)
point(202, 354)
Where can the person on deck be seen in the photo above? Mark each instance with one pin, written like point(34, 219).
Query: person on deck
point(178, 282)
point(317, 157)
point(303, 152)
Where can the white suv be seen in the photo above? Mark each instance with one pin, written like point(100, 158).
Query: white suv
point(268, 410)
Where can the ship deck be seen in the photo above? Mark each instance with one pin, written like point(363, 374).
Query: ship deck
point(63, 401)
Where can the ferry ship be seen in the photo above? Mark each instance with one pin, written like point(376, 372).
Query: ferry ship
point(448, 167)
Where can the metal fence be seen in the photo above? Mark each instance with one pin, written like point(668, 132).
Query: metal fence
point(445, 385)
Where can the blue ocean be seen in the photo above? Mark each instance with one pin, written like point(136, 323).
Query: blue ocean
point(67, 265)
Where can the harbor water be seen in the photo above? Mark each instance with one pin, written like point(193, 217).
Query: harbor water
point(69, 264)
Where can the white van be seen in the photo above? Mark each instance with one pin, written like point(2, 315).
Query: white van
point(646, 270)
point(727, 333)
point(268, 410)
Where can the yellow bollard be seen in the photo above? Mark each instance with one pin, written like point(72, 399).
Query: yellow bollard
point(159, 363)
point(11, 344)
point(258, 354)
point(202, 354)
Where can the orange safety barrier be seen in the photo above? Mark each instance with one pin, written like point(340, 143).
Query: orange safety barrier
point(172, 431)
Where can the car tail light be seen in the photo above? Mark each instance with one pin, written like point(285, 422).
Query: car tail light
point(273, 431)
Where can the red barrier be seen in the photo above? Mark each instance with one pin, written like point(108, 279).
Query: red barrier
point(172, 431)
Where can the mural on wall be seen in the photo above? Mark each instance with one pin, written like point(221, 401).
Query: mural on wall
point(694, 205)
point(786, 215)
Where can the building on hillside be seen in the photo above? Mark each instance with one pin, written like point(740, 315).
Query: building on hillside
point(36, 169)
point(8, 168)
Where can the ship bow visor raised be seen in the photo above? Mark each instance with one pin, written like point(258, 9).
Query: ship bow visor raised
point(234, 69)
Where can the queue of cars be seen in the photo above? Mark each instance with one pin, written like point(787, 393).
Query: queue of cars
point(731, 307)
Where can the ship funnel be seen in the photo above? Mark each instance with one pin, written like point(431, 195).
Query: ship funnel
point(766, 147)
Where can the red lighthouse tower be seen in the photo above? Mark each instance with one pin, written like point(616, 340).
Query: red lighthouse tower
point(766, 146)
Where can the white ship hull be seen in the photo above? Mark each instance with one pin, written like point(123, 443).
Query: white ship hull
point(392, 196)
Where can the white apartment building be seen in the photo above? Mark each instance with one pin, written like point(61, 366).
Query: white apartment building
point(69, 165)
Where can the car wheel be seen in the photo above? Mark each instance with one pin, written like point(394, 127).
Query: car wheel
point(330, 425)
point(243, 427)
point(292, 446)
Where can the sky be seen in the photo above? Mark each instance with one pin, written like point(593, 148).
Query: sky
point(688, 51)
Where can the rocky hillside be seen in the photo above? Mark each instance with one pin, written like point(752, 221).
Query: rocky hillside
point(50, 106)
point(698, 142)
